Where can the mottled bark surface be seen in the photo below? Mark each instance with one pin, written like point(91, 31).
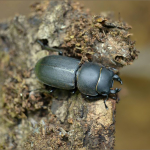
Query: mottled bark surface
point(31, 117)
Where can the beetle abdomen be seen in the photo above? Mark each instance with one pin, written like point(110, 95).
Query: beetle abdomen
point(87, 78)
point(57, 71)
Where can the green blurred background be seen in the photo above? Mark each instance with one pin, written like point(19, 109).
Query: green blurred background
point(132, 117)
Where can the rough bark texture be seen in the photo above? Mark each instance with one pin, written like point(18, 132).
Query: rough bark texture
point(31, 118)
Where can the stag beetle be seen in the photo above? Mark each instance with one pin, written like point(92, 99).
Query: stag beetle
point(92, 79)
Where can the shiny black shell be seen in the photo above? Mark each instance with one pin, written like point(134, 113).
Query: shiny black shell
point(57, 71)
point(93, 79)
point(87, 78)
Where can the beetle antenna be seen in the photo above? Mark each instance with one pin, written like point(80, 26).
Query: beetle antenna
point(117, 78)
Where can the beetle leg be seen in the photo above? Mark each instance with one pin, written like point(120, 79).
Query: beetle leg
point(115, 91)
point(98, 97)
point(94, 97)
point(117, 78)
point(43, 90)
point(52, 90)
point(60, 53)
point(118, 99)
point(45, 47)
point(105, 100)
point(73, 91)
point(115, 98)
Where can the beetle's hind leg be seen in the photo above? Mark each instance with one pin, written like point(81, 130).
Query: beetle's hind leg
point(43, 90)
point(44, 46)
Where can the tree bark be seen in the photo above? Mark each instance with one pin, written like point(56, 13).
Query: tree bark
point(37, 119)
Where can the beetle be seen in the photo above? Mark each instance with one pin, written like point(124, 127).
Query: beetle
point(91, 79)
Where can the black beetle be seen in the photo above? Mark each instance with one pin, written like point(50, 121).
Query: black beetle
point(92, 79)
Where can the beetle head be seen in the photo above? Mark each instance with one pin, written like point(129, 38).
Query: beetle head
point(105, 82)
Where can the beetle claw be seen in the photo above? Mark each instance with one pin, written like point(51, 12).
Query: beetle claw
point(117, 78)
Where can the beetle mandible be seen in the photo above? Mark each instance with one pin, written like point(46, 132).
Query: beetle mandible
point(91, 79)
